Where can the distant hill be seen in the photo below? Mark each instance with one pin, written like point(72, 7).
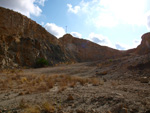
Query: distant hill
point(23, 42)
point(84, 50)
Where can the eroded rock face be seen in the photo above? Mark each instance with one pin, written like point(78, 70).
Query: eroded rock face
point(84, 50)
point(144, 47)
point(23, 41)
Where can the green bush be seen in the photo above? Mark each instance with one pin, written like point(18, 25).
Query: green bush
point(41, 62)
point(110, 60)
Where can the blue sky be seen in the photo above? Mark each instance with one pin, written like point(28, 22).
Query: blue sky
point(115, 23)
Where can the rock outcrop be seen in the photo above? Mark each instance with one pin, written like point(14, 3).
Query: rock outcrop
point(83, 50)
point(144, 47)
point(23, 41)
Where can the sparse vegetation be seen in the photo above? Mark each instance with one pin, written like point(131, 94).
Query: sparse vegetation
point(62, 89)
point(48, 108)
point(32, 109)
point(41, 83)
point(41, 62)
point(110, 60)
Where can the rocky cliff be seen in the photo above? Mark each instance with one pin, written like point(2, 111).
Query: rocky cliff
point(23, 41)
point(83, 50)
point(144, 47)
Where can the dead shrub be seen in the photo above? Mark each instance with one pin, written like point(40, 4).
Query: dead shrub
point(48, 108)
point(32, 110)
point(95, 81)
point(42, 87)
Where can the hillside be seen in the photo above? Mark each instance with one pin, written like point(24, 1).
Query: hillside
point(84, 50)
point(23, 41)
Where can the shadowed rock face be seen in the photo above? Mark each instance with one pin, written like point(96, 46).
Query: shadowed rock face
point(84, 50)
point(144, 47)
point(23, 41)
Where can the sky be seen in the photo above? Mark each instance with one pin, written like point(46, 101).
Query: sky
point(117, 24)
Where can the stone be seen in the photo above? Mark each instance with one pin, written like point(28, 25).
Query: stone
point(70, 97)
point(80, 111)
point(144, 80)
point(124, 110)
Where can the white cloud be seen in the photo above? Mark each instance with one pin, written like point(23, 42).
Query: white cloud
point(148, 21)
point(104, 20)
point(109, 13)
point(126, 11)
point(136, 43)
point(73, 10)
point(42, 23)
point(76, 34)
point(40, 2)
point(100, 39)
point(26, 7)
point(55, 30)
point(103, 40)
point(120, 46)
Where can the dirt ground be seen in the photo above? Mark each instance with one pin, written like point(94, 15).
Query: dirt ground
point(94, 87)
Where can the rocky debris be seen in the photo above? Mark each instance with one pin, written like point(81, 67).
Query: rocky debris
point(80, 111)
point(148, 111)
point(70, 97)
point(144, 80)
point(114, 96)
point(120, 109)
point(101, 73)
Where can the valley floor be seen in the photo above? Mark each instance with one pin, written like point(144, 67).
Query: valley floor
point(74, 88)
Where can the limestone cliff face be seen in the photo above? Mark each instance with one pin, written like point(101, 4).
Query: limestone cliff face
point(83, 50)
point(23, 41)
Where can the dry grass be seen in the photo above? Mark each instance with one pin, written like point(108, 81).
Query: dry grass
point(101, 73)
point(43, 108)
point(48, 108)
point(33, 109)
point(16, 79)
point(65, 63)
point(115, 83)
